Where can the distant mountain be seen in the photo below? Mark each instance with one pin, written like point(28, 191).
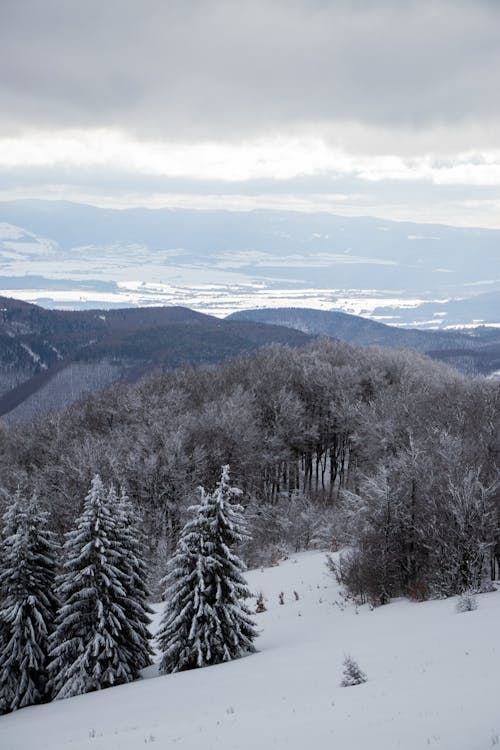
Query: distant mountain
point(99, 346)
point(475, 351)
point(66, 254)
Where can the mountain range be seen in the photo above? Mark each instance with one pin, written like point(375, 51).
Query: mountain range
point(48, 358)
point(68, 255)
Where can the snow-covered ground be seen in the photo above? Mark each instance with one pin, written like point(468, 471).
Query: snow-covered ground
point(432, 682)
point(219, 299)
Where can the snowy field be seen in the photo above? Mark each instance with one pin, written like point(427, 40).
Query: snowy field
point(217, 298)
point(431, 682)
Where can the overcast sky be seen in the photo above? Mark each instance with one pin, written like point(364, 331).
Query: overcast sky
point(385, 107)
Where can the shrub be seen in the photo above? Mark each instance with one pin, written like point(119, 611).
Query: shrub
point(260, 606)
point(466, 603)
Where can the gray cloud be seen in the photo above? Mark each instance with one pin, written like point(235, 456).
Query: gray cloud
point(230, 69)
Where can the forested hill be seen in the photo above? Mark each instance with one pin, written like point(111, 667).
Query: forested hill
point(170, 335)
point(48, 358)
point(475, 352)
point(36, 343)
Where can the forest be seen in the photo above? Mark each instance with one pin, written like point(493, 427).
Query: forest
point(382, 453)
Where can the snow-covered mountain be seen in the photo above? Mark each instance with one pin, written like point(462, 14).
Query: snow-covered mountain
point(431, 681)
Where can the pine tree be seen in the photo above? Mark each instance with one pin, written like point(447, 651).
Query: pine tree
point(352, 673)
point(89, 651)
point(205, 621)
point(133, 577)
point(11, 520)
point(28, 604)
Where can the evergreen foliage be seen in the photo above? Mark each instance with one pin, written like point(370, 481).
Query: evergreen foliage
point(91, 647)
point(205, 621)
point(28, 604)
point(133, 575)
point(352, 674)
point(10, 522)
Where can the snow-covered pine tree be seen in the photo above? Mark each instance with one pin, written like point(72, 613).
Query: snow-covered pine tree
point(133, 577)
point(27, 602)
point(352, 673)
point(88, 648)
point(183, 583)
point(205, 620)
point(10, 522)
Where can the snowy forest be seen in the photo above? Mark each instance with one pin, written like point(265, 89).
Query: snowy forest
point(382, 454)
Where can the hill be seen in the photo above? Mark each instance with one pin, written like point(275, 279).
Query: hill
point(106, 345)
point(475, 351)
point(48, 358)
point(431, 682)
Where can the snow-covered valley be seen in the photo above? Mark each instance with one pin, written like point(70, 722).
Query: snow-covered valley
point(74, 256)
point(431, 681)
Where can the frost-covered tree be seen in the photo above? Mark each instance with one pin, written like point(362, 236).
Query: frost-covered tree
point(205, 620)
point(352, 673)
point(133, 576)
point(91, 648)
point(10, 523)
point(466, 603)
point(27, 604)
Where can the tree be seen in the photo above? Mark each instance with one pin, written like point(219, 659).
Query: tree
point(352, 674)
point(10, 523)
point(133, 576)
point(28, 604)
point(91, 646)
point(205, 621)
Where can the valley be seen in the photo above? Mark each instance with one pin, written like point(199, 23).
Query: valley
point(66, 255)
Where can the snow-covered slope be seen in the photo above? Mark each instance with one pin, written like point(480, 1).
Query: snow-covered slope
point(431, 682)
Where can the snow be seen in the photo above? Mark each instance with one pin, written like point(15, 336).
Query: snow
point(34, 356)
point(215, 299)
point(11, 231)
point(431, 682)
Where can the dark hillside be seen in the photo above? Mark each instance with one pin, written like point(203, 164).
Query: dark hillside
point(34, 342)
point(474, 351)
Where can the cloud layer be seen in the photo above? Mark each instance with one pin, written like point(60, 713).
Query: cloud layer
point(369, 101)
point(230, 69)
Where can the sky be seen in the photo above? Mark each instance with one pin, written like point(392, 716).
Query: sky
point(359, 107)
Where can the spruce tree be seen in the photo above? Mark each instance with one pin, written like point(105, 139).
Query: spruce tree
point(133, 576)
point(89, 651)
point(10, 522)
point(352, 673)
point(205, 620)
point(28, 604)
